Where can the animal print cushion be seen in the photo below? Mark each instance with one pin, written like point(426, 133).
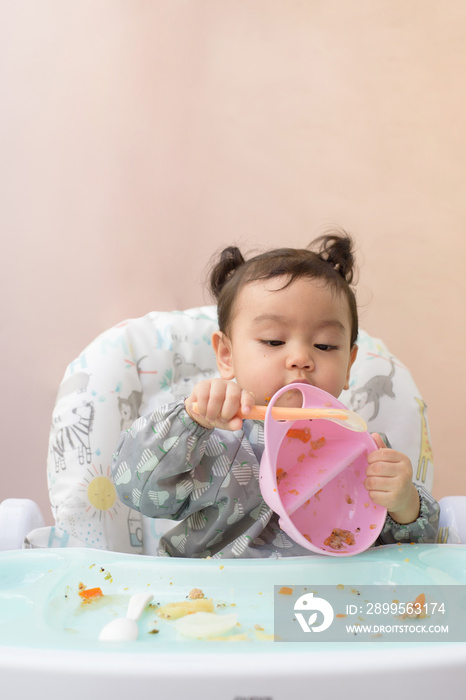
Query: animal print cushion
point(383, 392)
point(143, 363)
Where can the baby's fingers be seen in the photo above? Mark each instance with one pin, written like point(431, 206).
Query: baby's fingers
point(382, 469)
point(237, 406)
point(206, 401)
point(231, 405)
point(246, 403)
point(378, 441)
point(222, 401)
point(216, 403)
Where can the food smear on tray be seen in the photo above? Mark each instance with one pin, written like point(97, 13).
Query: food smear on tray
point(173, 611)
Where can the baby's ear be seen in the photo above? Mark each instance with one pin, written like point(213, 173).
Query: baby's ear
point(223, 352)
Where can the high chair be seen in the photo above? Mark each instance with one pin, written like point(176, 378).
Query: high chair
point(124, 373)
point(143, 363)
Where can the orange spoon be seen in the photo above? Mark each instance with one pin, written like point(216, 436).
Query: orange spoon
point(348, 419)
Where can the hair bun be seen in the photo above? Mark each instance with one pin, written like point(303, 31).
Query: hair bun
point(337, 250)
point(230, 259)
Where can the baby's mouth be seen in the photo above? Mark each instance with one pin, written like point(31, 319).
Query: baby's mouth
point(301, 380)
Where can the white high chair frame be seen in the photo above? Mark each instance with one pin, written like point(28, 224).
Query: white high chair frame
point(129, 370)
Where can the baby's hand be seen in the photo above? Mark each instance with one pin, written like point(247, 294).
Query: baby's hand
point(218, 403)
point(389, 481)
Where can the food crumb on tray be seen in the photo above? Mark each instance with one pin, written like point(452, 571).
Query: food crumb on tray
point(195, 593)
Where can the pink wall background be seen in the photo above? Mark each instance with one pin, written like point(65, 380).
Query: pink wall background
point(138, 137)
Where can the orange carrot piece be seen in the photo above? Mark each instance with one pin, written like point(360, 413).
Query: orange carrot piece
point(91, 593)
point(281, 474)
point(300, 434)
point(284, 590)
point(317, 444)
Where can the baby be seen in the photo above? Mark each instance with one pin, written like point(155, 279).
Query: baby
point(286, 316)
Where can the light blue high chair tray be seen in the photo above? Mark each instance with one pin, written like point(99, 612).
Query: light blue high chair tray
point(49, 638)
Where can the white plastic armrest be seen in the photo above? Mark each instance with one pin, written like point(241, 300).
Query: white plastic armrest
point(453, 516)
point(18, 516)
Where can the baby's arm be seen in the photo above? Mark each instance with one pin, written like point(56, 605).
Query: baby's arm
point(156, 465)
point(218, 403)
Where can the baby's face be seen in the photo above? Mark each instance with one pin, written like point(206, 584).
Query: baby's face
point(301, 333)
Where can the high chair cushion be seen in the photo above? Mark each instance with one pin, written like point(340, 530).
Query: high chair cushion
point(146, 362)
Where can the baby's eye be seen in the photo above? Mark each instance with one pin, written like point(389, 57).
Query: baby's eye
point(273, 343)
point(324, 347)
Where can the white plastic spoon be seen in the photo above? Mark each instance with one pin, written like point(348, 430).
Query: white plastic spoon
point(126, 628)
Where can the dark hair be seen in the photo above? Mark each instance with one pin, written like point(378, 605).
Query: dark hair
point(332, 261)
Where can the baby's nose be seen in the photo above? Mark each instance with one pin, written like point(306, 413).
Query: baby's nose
point(301, 359)
point(301, 364)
